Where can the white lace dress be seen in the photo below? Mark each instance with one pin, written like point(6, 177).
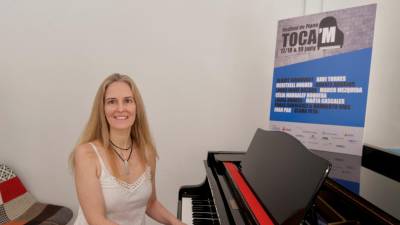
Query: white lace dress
point(125, 203)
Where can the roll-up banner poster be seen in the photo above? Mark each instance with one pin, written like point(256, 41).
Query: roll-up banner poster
point(320, 85)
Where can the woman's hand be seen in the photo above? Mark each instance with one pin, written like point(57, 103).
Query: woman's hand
point(178, 222)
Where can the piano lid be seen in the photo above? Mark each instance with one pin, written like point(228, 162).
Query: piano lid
point(283, 174)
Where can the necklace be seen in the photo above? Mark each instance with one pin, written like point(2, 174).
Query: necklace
point(116, 146)
point(125, 161)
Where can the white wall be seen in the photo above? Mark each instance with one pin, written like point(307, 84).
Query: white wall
point(204, 69)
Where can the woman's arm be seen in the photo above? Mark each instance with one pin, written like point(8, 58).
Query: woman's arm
point(87, 171)
point(157, 211)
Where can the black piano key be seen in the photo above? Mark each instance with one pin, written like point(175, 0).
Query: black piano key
point(204, 213)
point(205, 221)
point(201, 223)
point(200, 197)
point(203, 205)
point(199, 202)
point(203, 209)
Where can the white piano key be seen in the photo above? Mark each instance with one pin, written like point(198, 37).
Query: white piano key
point(187, 213)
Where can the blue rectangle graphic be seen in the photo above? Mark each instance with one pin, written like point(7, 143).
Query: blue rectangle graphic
point(330, 90)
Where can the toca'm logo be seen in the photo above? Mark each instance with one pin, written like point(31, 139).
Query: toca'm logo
point(312, 36)
point(329, 35)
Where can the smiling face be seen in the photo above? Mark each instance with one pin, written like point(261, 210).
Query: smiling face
point(119, 106)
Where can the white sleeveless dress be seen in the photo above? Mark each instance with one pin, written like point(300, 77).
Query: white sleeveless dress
point(125, 204)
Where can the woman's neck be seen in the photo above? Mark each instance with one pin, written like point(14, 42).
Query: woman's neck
point(121, 138)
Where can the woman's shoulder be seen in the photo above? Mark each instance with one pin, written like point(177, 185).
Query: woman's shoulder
point(86, 159)
point(85, 151)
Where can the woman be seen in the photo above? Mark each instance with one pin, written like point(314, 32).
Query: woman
point(115, 160)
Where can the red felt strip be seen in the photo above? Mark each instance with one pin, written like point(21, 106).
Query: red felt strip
point(251, 200)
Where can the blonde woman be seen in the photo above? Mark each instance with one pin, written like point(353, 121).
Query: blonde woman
point(115, 160)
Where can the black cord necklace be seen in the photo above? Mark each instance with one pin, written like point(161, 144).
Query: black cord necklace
point(116, 146)
point(125, 161)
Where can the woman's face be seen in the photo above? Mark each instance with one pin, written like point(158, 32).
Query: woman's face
point(119, 106)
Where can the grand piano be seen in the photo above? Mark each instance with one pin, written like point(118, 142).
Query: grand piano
point(277, 181)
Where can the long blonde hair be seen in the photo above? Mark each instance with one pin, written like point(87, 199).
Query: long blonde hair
point(98, 128)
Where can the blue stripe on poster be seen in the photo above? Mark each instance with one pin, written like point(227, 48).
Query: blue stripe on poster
point(330, 90)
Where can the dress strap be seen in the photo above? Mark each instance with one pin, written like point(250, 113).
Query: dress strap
point(103, 166)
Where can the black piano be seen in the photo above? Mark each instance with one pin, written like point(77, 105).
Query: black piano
point(277, 181)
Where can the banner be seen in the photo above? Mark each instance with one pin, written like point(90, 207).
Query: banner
point(320, 85)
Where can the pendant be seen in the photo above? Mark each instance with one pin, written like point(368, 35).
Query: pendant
point(126, 167)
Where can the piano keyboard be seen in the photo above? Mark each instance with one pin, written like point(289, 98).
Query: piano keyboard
point(198, 211)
